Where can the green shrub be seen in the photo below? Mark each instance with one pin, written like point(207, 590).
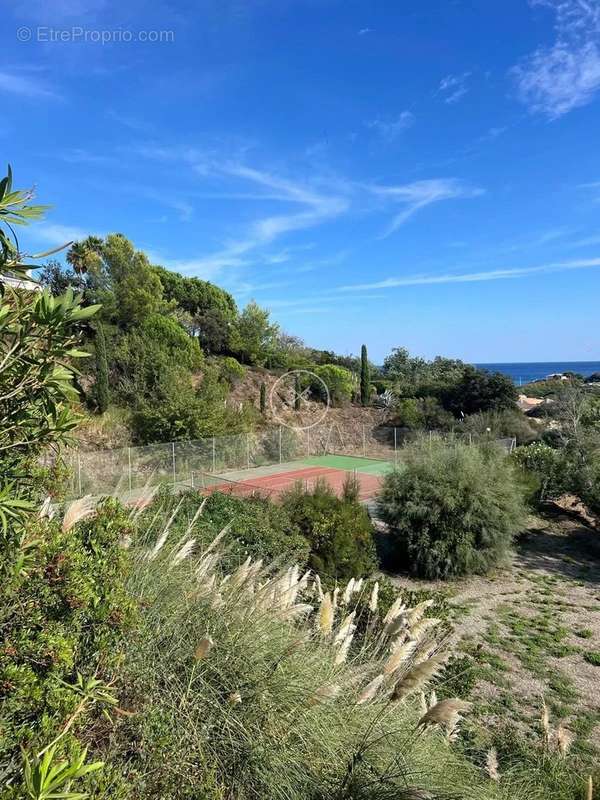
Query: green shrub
point(64, 610)
point(339, 530)
point(506, 423)
point(179, 410)
point(231, 370)
point(340, 383)
point(544, 463)
point(478, 390)
point(181, 348)
point(421, 412)
point(452, 510)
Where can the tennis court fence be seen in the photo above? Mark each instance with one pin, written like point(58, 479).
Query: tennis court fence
point(131, 469)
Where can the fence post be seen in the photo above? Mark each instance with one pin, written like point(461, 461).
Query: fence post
point(192, 479)
point(79, 472)
point(396, 446)
point(308, 442)
point(214, 455)
point(470, 439)
point(280, 459)
point(248, 450)
point(129, 466)
point(173, 460)
point(364, 440)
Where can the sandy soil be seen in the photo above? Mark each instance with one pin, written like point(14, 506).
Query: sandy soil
point(553, 576)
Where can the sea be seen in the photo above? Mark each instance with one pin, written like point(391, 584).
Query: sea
point(525, 372)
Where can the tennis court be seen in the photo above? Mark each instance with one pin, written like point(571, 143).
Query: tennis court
point(275, 479)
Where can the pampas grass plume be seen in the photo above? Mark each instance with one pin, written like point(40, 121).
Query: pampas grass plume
point(564, 740)
point(203, 648)
point(77, 511)
point(421, 628)
point(445, 713)
point(342, 653)
point(415, 614)
point(491, 764)
point(347, 596)
point(325, 619)
point(418, 676)
point(328, 692)
point(370, 690)
point(374, 599)
point(394, 610)
point(400, 654)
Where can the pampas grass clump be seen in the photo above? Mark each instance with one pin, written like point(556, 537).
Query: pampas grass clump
point(252, 684)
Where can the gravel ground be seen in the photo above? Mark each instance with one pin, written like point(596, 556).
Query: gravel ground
point(540, 615)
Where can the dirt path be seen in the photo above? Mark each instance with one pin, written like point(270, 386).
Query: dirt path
point(533, 629)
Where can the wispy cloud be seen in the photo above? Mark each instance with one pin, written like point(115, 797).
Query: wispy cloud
point(588, 241)
point(129, 121)
point(418, 195)
point(314, 206)
point(78, 155)
point(56, 234)
point(390, 130)
point(26, 86)
point(474, 277)
point(454, 87)
point(556, 79)
point(364, 31)
point(306, 203)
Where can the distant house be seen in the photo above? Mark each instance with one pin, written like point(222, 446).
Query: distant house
point(20, 282)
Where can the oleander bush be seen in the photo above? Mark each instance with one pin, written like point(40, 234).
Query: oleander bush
point(64, 612)
point(452, 509)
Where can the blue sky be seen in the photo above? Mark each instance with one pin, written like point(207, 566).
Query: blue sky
point(424, 174)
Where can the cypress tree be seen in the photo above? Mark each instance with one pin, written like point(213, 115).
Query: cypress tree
point(297, 391)
point(365, 376)
point(102, 390)
point(263, 398)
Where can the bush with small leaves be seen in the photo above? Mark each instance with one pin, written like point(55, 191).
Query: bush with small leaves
point(452, 509)
point(339, 530)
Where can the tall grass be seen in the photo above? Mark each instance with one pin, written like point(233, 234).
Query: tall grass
point(255, 684)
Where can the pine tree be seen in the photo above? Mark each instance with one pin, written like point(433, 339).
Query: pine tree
point(263, 398)
point(365, 377)
point(102, 390)
point(297, 390)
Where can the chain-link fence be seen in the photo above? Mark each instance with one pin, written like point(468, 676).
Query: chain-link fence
point(130, 469)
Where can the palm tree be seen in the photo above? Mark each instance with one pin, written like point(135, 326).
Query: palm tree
point(77, 256)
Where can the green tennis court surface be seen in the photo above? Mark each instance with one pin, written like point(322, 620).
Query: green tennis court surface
point(370, 466)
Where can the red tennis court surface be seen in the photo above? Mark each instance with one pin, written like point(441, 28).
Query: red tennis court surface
point(275, 485)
